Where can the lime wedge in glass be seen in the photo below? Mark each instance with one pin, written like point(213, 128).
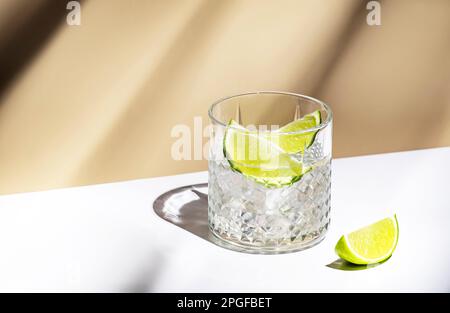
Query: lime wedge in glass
point(268, 158)
point(371, 244)
point(258, 158)
point(297, 143)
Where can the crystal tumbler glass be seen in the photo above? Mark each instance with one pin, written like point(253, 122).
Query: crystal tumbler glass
point(269, 171)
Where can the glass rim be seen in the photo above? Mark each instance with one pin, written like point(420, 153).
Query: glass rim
point(322, 125)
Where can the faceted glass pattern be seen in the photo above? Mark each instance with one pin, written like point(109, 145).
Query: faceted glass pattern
point(248, 214)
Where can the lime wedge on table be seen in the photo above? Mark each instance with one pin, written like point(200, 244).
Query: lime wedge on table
point(371, 244)
point(267, 157)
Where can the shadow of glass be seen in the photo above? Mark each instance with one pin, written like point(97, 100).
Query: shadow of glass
point(187, 208)
point(343, 265)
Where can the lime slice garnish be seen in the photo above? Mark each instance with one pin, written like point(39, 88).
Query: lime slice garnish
point(257, 157)
point(372, 244)
point(295, 143)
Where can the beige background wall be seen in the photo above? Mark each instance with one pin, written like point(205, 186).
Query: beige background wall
point(96, 103)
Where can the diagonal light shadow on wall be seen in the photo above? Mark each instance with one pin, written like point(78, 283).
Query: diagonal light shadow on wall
point(349, 32)
point(28, 38)
point(193, 35)
point(314, 75)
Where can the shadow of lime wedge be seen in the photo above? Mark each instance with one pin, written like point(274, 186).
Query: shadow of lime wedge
point(343, 265)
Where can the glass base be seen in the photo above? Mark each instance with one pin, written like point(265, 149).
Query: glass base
point(240, 246)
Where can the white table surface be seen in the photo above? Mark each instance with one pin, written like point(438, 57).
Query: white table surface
point(108, 238)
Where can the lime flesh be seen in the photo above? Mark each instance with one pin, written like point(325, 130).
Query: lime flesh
point(268, 158)
point(259, 158)
point(296, 143)
point(371, 244)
